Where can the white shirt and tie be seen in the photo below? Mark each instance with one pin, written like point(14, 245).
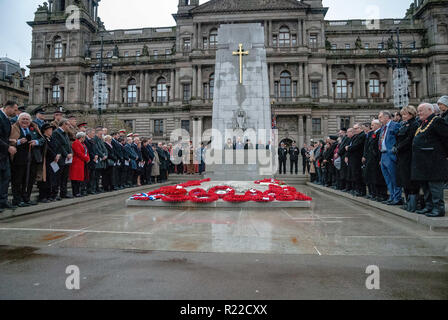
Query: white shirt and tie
point(26, 131)
point(383, 144)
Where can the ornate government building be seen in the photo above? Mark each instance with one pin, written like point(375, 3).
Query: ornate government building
point(323, 74)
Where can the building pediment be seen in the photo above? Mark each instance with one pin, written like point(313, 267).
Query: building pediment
point(218, 6)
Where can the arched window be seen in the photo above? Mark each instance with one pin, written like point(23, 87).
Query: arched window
point(341, 86)
point(211, 85)
point(374, 85)
point(55, 91)
point(132, 91)
point(161, 90)
point(57, 48)
point(213, 38)
point(284, 39)
point(285, 85)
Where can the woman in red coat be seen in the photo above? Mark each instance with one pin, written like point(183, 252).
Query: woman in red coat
point(80, 158)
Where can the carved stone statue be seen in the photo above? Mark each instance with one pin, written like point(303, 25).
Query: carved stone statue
point(240, 120)
point(391, 43)
point(116, 52)
point(327, 44)
point(145, 51)
point(87, 52)
point(43, 7)
point(358, 43)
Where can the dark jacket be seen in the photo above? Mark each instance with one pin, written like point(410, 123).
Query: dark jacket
point(21, 157)
point(62, 145)
point(429, 151)
point(282, 153)
point(354, 153)
point(131, 155)
point(101, 151)
point(373, 174)
point(294, 153)
point(118, 149)
point(91, 148)
point(405, 137)
point(444, 116)
point(5, 132)
point(112, 157)
point(147, 154)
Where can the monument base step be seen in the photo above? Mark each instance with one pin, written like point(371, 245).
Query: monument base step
point(220, 204)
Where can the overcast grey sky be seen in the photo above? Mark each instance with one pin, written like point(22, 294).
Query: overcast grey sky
point(15, 34)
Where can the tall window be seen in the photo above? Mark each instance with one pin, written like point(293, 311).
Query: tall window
point(187, 45)
point(185, 124)
point(285, 85)
point(161, 90)
point(213, 38)
point(284, 39)
point(58, 48)
point(317, 126)
point(274, 41)
point(314, 89)
point(187, 92)
point(158, 127)
point(132, 91)
point(374, 85)
point(56, 92)
point(211, 86)
point(341, 86)
point(313, 40)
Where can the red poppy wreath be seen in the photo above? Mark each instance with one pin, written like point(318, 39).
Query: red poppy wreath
point(208, 198)
point(221, 191)
point(236, 198)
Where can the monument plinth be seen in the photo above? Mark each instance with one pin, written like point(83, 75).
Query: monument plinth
point(241, 105)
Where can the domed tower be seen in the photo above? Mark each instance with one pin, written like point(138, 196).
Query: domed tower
point(61, 30)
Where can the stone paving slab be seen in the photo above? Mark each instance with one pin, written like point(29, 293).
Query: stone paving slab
point(43, 207)
point(441, 222)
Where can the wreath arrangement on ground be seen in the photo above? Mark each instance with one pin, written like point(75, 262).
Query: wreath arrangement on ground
point(175, 198)
point(172, 190)
point(253, 194)
point(263, 198)
point(221, 191)
point(206, 198)
point(236, 198)
point(197, 192)
point(193, 183)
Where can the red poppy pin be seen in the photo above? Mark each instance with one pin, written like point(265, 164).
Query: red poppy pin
point(31, 128)
point(373, 136)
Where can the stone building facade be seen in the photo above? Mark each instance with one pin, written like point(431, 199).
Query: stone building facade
point(14, 84)
point(323, 74)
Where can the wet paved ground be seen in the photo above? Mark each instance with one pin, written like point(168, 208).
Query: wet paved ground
point(314, 253)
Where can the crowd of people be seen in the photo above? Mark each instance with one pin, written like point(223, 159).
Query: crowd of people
point(395, 154)
point(50, 154)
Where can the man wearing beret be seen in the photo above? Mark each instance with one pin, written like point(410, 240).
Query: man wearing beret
point(430, 159)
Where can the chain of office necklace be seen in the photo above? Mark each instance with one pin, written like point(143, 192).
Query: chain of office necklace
point(420, 130)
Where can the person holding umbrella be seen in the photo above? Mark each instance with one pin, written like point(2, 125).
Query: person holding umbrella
point(28, 141)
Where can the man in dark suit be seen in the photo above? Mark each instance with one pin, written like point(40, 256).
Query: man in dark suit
point(386, 144)
point(354, 158)
point(8, 111)
point(25, 162)
point(282, 155)
point(305, 158)
point(118, 149)
point(148, 158)
point(294, 157)
point(91, 166)
point(132, 165)
point(100, 166)
point(63, 147)
point(430, 160)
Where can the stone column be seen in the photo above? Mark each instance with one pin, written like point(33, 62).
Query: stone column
point(300, 84)
point(390, 83)
point(88, 90)
point(309, 129)
point(112, 88)
point(118, 89)
point(299, 31)
point(147, 87)
point(266, 33)
point(325, 126)
point(324, 82)
point(199, 36)
point(194, 45)
point(357, 82)
point(195, 83)
point(363, 81)
point(142, 87)
point(304, 33)
point(66, 88)
point(200, 82)
point(172, 89)
point(424, 82)
point(301, 137)
point(270, 33)
point(306, 81)
point(178, 88)
point(42, 90)
point(271, 80)
point(330, 81)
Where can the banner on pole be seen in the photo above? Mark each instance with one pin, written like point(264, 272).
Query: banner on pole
point(401, 88)
point(100, 92)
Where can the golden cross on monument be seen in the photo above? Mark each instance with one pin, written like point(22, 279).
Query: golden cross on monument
point(240, 53)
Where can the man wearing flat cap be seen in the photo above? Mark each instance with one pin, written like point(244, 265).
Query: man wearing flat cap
point(40, 117)
point(58, 115)
point(443, 105)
